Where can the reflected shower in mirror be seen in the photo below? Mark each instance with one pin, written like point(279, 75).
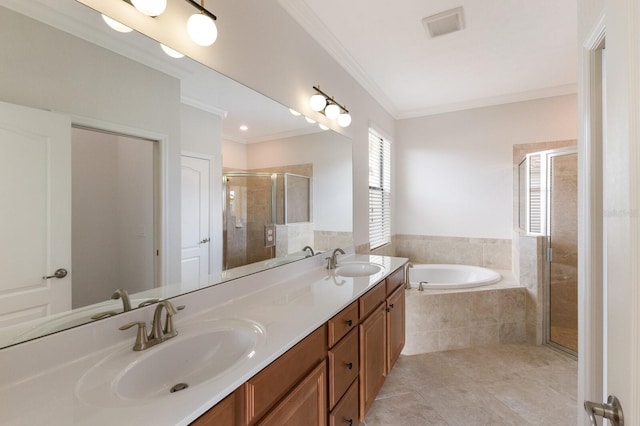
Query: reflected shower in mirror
point(123, 91)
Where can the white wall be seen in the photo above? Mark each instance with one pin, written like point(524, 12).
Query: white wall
point(234, 155)
point(454, 171)
point(49, 69)
point(330, 155)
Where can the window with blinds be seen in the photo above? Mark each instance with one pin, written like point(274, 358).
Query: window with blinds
point(379, 190)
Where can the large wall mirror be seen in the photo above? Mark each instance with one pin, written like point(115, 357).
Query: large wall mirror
point(128, 176)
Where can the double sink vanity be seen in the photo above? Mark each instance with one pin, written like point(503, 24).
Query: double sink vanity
point(297, 344)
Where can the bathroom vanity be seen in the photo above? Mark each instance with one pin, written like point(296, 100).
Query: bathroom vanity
point(298, 344)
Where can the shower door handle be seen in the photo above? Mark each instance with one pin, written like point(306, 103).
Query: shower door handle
point(206, 240)
point(611, 410)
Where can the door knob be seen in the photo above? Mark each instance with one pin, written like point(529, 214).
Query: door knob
point(611, 410)
point(206, 240)
point(60, 273)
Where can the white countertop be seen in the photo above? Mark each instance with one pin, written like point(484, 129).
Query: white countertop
point(39, 379)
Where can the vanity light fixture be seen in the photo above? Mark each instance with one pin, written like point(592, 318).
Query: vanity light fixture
point(150, 7)
point(201, 26)
point(115, 25)
point(170, 52)
point(326, 105)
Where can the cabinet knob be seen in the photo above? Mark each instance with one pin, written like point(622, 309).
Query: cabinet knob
point(391, 305)
point(349, 323)
point(349, 422)
point(387, 309)
point(349, 365)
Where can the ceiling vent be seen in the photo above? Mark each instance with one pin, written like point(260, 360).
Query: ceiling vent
point(443, 23)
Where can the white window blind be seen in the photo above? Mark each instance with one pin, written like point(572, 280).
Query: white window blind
point(379, 190)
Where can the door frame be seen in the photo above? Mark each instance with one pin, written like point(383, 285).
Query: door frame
point(161, 185)
point(590, 222)
point(212, 203)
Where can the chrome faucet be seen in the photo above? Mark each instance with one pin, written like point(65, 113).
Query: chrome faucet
point(158, 333)
point(407, 282)
point(122, 294)
point(332, 261)
point(310, 250)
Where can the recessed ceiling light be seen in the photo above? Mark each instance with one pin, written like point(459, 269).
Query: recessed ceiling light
point(170, 52)
point(244, 128)
point(115, 25)
point(322, 126)
point(310, 120)
point(294, 112)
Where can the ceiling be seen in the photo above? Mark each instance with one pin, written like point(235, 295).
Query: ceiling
point(509, 50)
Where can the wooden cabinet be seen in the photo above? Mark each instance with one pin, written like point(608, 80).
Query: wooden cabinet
point(333, 375)
point(270, 385)
point(305, 405)
point(395, 326)
point(373, 368)
point(226, 413)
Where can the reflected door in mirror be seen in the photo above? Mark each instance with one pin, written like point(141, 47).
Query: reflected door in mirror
point(35, 188)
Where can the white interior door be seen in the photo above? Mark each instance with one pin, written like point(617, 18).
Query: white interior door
point(610, 300)
point(196, 239)
point(35, 213)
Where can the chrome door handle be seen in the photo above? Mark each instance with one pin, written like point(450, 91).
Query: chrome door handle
point(60, 273)
point(612, 411)
point(206, 240)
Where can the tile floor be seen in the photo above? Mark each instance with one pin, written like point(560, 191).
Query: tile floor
point(506, 384)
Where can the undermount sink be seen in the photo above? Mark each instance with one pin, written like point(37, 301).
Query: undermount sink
point(358, 269)
point(198, 354)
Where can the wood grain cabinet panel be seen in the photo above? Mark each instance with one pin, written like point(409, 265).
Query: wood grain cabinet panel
point(342, 323)
point(395, 280)
point(346, 412)
point(227, 412)
point(343, 366)
point(373, 368)
point(305, 405)
point(267, 387)
point(371, 300)
point(395, 326)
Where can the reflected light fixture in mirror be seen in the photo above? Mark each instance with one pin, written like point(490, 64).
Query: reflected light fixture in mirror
point(294, 112)
point(327, 105)
point(170, 52)
point(150, 7)
point(121, 28)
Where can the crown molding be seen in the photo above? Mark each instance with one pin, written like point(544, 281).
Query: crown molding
point(285, 135)
point(549, 92)
point(203, 106)
point(310, 22)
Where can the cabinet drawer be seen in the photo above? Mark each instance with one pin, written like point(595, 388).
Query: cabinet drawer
point(370, 300)
point(395, 280)
point(346, 412)
point(342, 323)
point(267, 387)
point(343, 366)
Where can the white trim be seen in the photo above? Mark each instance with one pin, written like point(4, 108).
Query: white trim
point(161, 215)
point(203, 106)
point(590, 229)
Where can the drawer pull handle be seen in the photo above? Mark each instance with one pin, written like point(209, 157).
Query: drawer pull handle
point(349, 323)
point(388, 309)
point(349, 422)
point(349, 365)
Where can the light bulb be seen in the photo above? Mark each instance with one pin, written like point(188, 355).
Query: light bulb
point(115, 25)
point(344, 120)
point(169, 51)
point(322, 126)
point(332, 111)
point(294, 112)
point(150, 7)
point(317, 102)
point(310, 120)
point(202, 29)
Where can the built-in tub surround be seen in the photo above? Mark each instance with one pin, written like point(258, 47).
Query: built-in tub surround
point(287, 302)
point(488, 252)
point(439, 320)
point(448, 277)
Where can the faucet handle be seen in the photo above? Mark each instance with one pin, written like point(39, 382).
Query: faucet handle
point(169, 330)
point(141, 335)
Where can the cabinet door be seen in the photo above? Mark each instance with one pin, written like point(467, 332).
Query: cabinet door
point(305, 405)
point(373, 338)
point(225, 413)
point(395, 327)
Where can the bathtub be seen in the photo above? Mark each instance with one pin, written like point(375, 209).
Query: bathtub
point(443, 277)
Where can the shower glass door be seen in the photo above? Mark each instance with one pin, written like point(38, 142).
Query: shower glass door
point(563, 249)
